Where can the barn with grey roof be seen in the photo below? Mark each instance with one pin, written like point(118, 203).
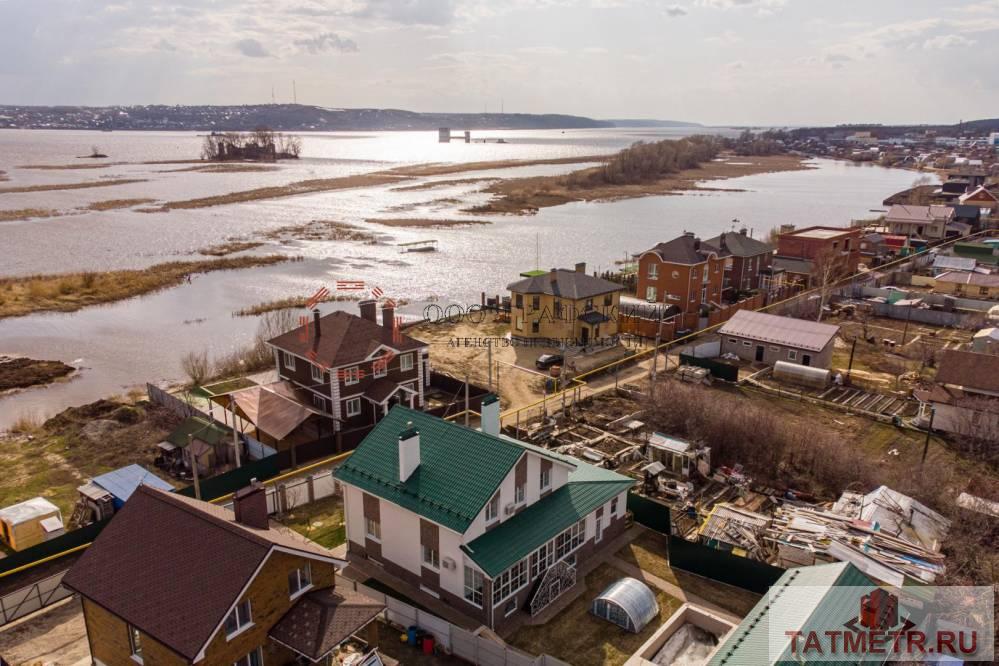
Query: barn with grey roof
point(767, 338)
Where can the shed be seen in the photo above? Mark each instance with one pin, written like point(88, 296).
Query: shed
point(628, 603)
point(986, 341)
point(29, 523)
point(765, 338)
point(121, 483)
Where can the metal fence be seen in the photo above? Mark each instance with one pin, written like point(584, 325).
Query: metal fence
point(453, 639)
point(649, 513)
point(28, 599)
point(722, 566)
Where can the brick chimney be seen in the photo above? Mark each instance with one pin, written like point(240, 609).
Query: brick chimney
point(409, 451)
point(388, 316)
point(315, 322)
point(581, 267)
point(369, 310)
point(250, 505)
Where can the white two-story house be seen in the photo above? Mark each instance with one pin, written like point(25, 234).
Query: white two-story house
point(488, 524)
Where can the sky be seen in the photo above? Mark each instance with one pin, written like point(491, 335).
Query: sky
point(768, 62)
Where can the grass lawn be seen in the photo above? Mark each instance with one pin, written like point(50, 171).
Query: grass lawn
point(582, 639)
point(320, 521)
point(649, 553)
point(229, 385)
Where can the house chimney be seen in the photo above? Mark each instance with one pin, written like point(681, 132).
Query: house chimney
point(581, 267)
point(742, 231)
point(315, 322)
point(409, 451)
point(250, 505)
point(490, 415)
point(553, 275)
point(388, 316)
point(369, 310)
point(697, 243)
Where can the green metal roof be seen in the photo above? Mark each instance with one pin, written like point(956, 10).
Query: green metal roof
point(816, 606)
point(516, 538)
point(460, 468)
point(201, 428)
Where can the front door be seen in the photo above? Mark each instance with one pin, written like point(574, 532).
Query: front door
point(584, 334)
point(806, 359)
point(759, 353)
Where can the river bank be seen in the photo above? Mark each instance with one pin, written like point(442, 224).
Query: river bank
point(527, 195)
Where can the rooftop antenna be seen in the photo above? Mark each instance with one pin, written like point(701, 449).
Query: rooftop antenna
point(294, 92)
point(537, 253)
point(272, 95)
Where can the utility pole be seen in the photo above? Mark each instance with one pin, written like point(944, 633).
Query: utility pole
point(929, 431)
point(849, 367)
point(466, 399)
point(194, 466)
point(294, 91)
point(655, 350)
point(908, 315)
point(235, 433)
point(489, 351)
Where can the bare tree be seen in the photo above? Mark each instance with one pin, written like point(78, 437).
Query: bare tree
point(196, 366)
point(827, 269)
point(976, 426)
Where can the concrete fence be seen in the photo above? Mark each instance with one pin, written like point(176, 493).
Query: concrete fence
point(451, 638)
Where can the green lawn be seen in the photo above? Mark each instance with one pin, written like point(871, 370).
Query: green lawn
point(579, 638)
point(321, 521)
point(649, 553)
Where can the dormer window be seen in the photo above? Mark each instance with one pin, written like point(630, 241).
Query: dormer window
point(492, 508)
point(299, 580)
point(239, 619)
point(546, 479)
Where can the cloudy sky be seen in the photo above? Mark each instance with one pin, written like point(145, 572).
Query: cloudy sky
point(712, 61)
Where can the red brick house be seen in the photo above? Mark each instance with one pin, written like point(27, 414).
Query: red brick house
point(173, 580)
point(749, 259)
point(353, 367)
point(685, 272)
point(801, 251)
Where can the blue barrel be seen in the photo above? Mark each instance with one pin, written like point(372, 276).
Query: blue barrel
point(411, 635)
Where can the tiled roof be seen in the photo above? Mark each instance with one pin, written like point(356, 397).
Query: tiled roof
point(572, 285)
point(321, 620)
point(588, 488)
point(788, 331)
point(686, 250)
point(344, 339)
point(968, 369)
point(172, 566)
point(739, 244)
point(459, 469)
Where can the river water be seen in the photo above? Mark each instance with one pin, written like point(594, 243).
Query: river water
point(142, 339)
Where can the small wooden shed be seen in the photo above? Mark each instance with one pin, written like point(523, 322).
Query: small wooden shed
point(31, 522)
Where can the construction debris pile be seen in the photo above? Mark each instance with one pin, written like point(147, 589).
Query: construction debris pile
point(885, 534)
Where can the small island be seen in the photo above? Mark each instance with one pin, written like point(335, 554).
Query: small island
point(261, 145)
point(20, 372)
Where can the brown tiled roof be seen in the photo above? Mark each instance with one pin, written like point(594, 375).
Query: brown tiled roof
point(172, 566)
point(686, 250)
point(739, 244)
point(572, 285)
point(321, 620)
point(380, 389)
point(971, 370)
point(345, 339)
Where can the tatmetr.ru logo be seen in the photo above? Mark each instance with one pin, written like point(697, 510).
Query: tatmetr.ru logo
point(808, 624)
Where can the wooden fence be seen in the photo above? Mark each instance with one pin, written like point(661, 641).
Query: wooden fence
point(451, 638)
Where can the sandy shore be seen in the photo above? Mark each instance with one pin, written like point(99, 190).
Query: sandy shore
point(424, 222)
point(527, 195)
point(420, 170)
point(70, 186)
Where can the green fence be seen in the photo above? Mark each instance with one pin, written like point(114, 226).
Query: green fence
point(60, 544)
point(233, 480)
point(718, 369)
point(722, 566)
point(650, 513)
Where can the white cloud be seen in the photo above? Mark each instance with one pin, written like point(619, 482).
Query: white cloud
point(761, 6)
point(542, 50)
point(327, 41)
point(947, 42)
point(675, 10)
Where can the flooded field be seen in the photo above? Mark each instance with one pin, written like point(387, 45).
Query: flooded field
point(142, 339)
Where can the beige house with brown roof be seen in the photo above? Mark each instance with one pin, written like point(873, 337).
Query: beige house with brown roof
point(964, 398)
point(929, 222)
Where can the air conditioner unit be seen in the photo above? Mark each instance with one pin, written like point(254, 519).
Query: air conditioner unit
point(509, 509)
point(448, 563)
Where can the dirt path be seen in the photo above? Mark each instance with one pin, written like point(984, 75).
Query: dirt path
point(57, 635)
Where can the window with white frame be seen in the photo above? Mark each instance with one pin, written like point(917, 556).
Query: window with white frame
point(519, 494)
point(406, 362)
point(373, 529)
point(254, 658)
point(569, 540)
point(510, 582)
point(650, 293)
point(353, 407)
point(289, 360)
point(546, 479)
point(653, 271)
point(240, 618)
point(135, 643)
point(599, 534)
point(614, 507)
point(351, 375)
point(317, 374)
point(379, 368)
point(792, 354)
point(473, 586)
point(431, 557)
point(319, 402)
point(299, 580)
point(541, 559)
point(492, 508)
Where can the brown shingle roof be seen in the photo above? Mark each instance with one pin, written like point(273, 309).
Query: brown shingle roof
point(686, 250)
point(172, 566)
point(572, 285)
point(321, 620)
point(739, 244)
point(973, 371)
point(345, 339)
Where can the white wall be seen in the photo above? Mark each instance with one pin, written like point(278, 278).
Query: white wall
point(353, 513)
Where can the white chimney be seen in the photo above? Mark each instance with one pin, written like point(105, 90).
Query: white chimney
point(409, 451)
point(491, 415)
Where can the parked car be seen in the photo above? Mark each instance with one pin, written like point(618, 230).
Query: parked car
point(546, 361)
